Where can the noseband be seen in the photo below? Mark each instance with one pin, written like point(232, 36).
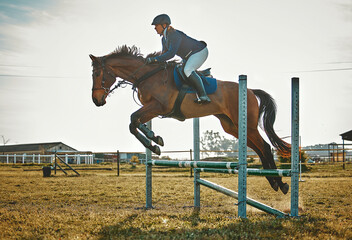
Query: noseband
point(112, 74)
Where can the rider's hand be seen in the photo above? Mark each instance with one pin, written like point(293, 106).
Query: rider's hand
point(150, 60)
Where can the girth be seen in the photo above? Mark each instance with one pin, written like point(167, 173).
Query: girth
point(176, 110)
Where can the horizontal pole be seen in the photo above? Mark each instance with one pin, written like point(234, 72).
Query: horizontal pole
point(233, 194)
point(251, 171)
point(194, 164)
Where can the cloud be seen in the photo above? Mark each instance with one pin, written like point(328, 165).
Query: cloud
point(44, 40)
point(17, 12)
point(17, 15)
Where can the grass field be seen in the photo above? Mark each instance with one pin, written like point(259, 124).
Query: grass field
point(100, 205)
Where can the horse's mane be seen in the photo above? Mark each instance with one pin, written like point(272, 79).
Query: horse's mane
point(126, 51)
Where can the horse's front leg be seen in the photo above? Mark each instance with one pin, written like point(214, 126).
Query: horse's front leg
point(150, 134)
point(146, 143)
point(141, 116)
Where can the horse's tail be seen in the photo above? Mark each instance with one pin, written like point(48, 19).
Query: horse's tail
point(267, 109)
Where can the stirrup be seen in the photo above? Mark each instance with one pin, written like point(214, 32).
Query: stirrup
point(205, 100)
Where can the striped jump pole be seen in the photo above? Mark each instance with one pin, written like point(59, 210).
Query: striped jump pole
point(251, 171)
point(220, 167)
point(194, 164)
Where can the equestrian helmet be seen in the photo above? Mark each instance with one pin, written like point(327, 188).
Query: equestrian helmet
point(162, 19)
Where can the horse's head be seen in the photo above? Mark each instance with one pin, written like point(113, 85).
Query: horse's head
point(103, 79)
point(126, 63)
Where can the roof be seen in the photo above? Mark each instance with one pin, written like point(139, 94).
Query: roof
point(347, 135)
point(30, 147)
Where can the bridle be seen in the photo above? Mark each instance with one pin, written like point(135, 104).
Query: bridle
point(110, 73)
point(137, 81)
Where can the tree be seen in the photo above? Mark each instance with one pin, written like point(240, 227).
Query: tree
point(213, 141)
point(303, 157)
point(4, 141)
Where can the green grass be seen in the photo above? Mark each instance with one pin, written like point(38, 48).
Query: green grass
point(100, 205)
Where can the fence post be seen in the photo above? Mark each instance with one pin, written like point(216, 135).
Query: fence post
point(148, 174)
point(7, 159)
point(191, 159)
point(242, 137)
point(295, 147)
point(118, 162)
point(196, 157)
point(14, 159)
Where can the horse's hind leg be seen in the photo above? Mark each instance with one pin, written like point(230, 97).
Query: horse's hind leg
point(262, 148)
point(230, 128)
point(273, 183)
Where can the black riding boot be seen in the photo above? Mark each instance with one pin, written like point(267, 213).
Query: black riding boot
point(197, 83)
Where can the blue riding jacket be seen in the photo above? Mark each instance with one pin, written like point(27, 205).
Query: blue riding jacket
point(178, 43)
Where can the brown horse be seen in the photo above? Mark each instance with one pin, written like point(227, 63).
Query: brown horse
point(157, 92)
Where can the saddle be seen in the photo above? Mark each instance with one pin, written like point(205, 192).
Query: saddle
point(210, 86)
point(209, 82)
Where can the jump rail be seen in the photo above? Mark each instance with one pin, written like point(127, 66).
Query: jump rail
point(220, 167)
point(194, 164)
point(251, 171)
point(239, 168)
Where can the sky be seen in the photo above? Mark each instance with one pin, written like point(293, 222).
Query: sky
point(45, 69)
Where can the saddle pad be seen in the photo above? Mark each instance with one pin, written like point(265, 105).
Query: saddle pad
point(210, 84)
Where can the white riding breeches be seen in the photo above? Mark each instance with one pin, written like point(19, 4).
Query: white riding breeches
point(195, 61)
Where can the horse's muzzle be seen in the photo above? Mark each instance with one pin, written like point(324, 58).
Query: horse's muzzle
point(99, 103)
point(99, 100)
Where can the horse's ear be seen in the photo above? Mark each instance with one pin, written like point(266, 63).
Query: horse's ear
point(92, 57)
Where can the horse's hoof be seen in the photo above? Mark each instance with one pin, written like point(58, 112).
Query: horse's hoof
point(156, 150)
point(274, 185)
point(284, 188)
point(159, 141)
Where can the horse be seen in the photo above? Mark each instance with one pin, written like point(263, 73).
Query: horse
point(157, 92)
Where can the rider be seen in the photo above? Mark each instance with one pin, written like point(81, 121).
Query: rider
point(193, 52)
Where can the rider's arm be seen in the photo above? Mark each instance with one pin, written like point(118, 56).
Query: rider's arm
point(173, 43)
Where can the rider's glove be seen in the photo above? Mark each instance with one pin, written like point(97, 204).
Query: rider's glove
point(150, 60)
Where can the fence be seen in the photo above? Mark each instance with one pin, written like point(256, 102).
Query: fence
point(39, 158)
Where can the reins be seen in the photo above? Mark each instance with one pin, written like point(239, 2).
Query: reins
point(123, 82)
point(148, 75)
